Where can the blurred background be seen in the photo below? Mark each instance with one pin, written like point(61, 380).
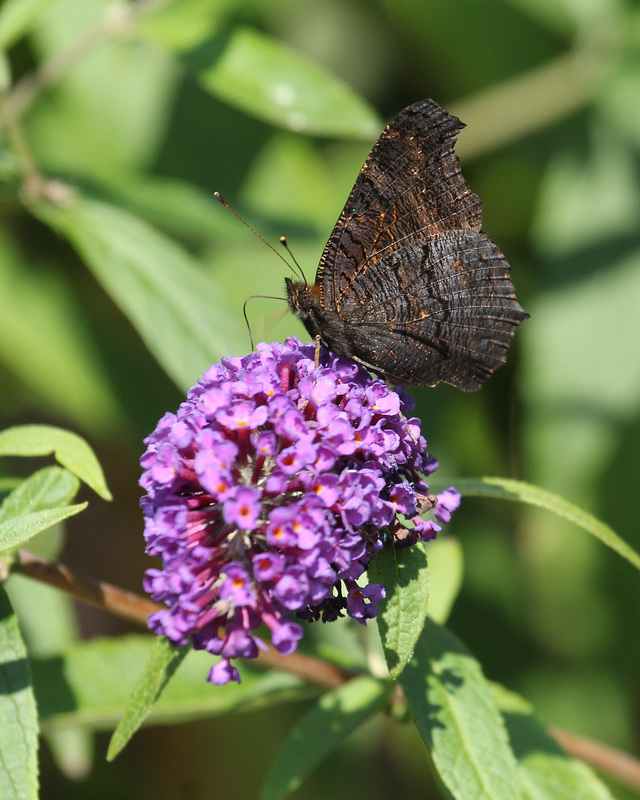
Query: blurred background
point(146, 109)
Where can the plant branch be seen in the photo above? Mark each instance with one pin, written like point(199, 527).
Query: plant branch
point(31, 176)
point(528, 103)
point(100, 594)
point(617, 764)
point(116, 20)
point(136, 608)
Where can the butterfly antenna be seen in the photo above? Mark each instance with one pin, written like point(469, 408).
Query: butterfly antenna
point(220, 199)
point(285, 244)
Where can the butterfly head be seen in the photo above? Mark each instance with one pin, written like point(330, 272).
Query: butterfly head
point(303, 298)
point(305, 302)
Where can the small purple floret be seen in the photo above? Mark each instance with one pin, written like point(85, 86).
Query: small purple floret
point(448, 501)
point(362, 603)
point(269, 492)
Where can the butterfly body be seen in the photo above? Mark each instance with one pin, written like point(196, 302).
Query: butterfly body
point(336, 333)
point(408, 285)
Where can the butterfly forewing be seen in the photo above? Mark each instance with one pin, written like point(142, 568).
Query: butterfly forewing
point(407, 284)
point(409, 187)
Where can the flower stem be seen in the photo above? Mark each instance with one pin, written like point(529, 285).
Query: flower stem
point(530, 102)
point(31, 176)
point(616, 763)
point(115, 20)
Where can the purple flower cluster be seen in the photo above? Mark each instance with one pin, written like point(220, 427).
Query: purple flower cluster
point(269, 492)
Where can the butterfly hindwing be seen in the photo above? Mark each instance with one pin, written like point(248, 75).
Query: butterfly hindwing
point(437, 310)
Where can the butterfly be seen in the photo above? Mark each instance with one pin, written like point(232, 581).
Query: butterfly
point(408, 285)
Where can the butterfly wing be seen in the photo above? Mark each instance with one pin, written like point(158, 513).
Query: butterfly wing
point(439, 309)
point(425, 296)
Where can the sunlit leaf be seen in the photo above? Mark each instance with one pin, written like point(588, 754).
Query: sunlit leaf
point(16, 18)
point(291, 181)
point(546, 771)
point(179, 311)
point(18, 530)
point(68, 376)
point(47, 488)
point(69, 449)
point(506, 489)
point(264, 77)
point(18, 714)
point(405, 577)
point(108, 111)
point(336, 714)
point(445, 575)
point(458, 720)
point(183, 25)
point(175, 206)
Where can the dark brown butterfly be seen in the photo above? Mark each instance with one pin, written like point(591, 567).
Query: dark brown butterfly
point(408, 285)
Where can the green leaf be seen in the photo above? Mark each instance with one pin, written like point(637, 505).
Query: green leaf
point(15, 532)
point(72, 132)
point(445, 571)
point(458, 720)
point(273, 187)
point(597, 369)
point(404, 575)
point(70, 450)
point(68, 375)
point(16, 17)
point(179, 311)
point(8, 484)
point(183, 25)
point(334, 717)
point(546, 771)
point(5, 72)
point(265, 78)
point(49, 487)
point(48, 622)
point(616, 99)
point(162, 663)
point(565, 17)
point(506, 489)
point(18, 715)
point(90, 682)
point(175, 206)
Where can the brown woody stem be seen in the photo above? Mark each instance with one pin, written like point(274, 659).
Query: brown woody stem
point(136, 608)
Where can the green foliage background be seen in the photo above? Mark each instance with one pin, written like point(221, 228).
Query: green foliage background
point(112, 305)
